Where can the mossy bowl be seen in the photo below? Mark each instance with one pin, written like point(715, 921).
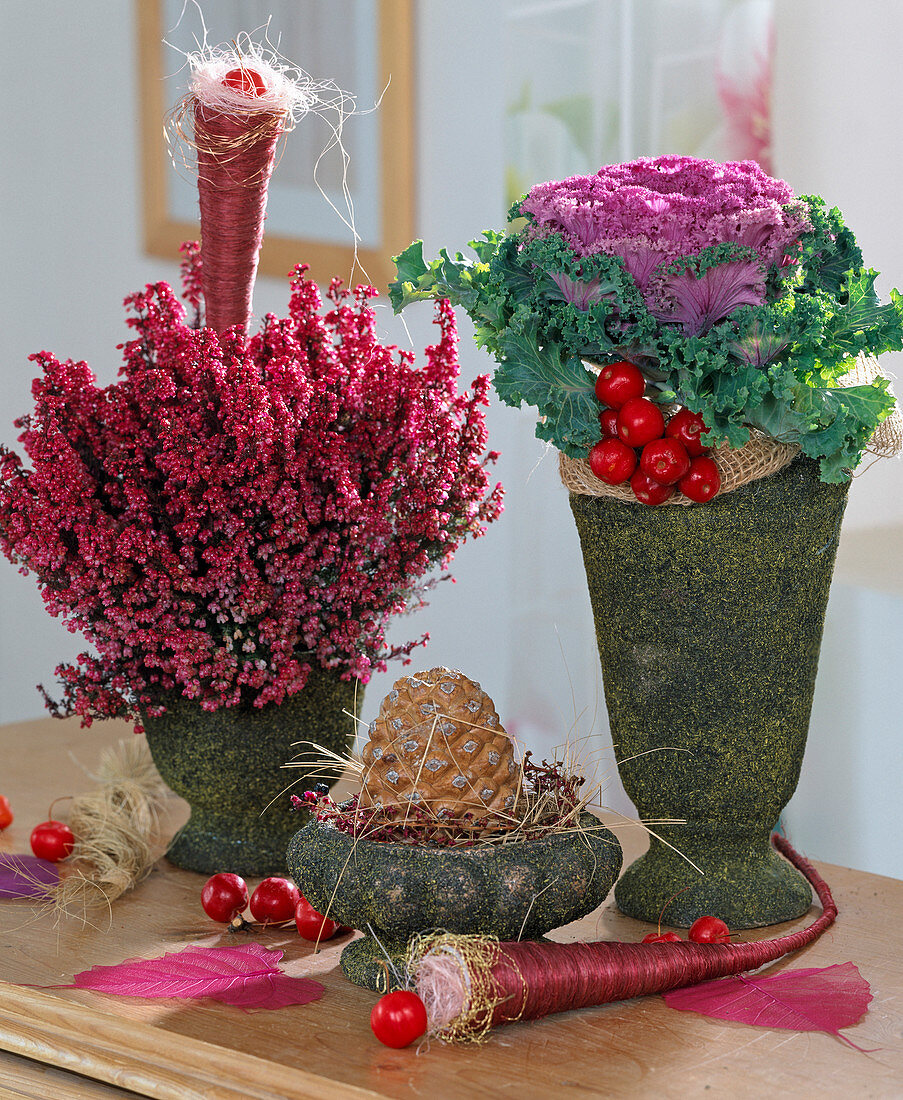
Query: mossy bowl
point(512, 890)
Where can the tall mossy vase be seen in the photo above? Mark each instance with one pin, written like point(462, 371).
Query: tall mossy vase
point(709, 621)
point(228, 765)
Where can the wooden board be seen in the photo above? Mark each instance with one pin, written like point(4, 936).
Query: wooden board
point(185, 1049)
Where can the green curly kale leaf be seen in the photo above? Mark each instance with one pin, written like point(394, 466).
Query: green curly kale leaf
point(545, 313)
point(559, 386)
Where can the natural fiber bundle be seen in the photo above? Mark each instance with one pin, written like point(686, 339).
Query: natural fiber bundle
point(888, 438)
point(240, 103)
point(470, 984)
point(116, 830)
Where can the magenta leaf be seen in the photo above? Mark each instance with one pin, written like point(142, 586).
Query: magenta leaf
point(814, 999)
point(24, 876)
point(247, 976)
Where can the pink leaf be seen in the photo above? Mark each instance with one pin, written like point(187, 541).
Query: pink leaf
point(26, 876)
point(247, 976)
point(814, 999)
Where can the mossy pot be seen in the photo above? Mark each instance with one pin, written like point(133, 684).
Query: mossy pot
point(228, 765)
point(515, 890)
point(709, 621)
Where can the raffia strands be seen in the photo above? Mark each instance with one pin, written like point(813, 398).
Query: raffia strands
point(471, 984)
point(116, 830)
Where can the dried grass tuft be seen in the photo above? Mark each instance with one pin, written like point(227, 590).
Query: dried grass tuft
point(117, 830)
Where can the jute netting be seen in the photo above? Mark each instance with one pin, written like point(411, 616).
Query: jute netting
point(760, 457)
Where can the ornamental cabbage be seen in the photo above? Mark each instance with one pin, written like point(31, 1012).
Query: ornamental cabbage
point(735, 298)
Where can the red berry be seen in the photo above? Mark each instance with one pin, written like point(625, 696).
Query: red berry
point(709, 930)
point(224, 896)
point(618, 383)
point(612, 461)
point(275, 900)
point(687, 427)
point(640, 421)
point(665, 460)
point(52, 840)
point(247, 81)
point(702, 481)
point(398, 1018)
point(648, 491)
point(6, 814)
point(662, 937)
point(311, 924)
point(608, 422)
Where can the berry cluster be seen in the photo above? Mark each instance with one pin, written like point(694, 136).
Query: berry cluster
point(275, 901)
point(657, 456)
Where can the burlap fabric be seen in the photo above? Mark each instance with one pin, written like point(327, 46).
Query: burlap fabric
point(760, 457)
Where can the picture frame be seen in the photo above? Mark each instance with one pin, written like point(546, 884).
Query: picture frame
point(377, 38)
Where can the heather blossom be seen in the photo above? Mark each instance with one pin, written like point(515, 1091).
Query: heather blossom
point(236, 510)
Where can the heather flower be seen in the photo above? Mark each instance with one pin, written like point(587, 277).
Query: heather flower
point(235, 510)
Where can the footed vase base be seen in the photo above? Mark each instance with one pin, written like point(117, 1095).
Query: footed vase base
point(744, 882)
point(370, 963)
point(209, 845)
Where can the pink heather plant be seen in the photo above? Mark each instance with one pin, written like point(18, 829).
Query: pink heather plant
point(233, 512)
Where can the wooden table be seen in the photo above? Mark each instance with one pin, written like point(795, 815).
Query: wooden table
point(69, 1043)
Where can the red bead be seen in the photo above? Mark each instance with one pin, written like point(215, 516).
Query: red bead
point(247, 81)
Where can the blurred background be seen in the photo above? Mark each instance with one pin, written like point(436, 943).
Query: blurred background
point(503, 95)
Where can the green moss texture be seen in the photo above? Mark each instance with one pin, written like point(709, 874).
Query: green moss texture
point(227, 764)
point(517, 890)
point(709, 622)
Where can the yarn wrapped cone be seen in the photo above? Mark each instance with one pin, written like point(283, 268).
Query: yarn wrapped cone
point(236, 152)
point(709, 622)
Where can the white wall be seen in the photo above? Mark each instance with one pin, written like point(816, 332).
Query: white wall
point(837, 133)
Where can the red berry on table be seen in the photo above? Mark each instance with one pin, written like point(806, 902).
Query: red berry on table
point(311, 924)
point(665, 460)
point(398, 1018)
point(247, 81)
point(52, 840)
point(702, 481)
point(648, 491)
point(709, 929)
point(275, 900)
point(608, 422)
point(224, 897)
point(662, 937)
point(618, 383)
point(6, 813)
point(640, 421)
point(612, 461)
point(687, 427)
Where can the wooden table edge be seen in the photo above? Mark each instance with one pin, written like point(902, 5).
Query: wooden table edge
point(147, 1060)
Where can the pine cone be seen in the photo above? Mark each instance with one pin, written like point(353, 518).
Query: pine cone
point(437, 744)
